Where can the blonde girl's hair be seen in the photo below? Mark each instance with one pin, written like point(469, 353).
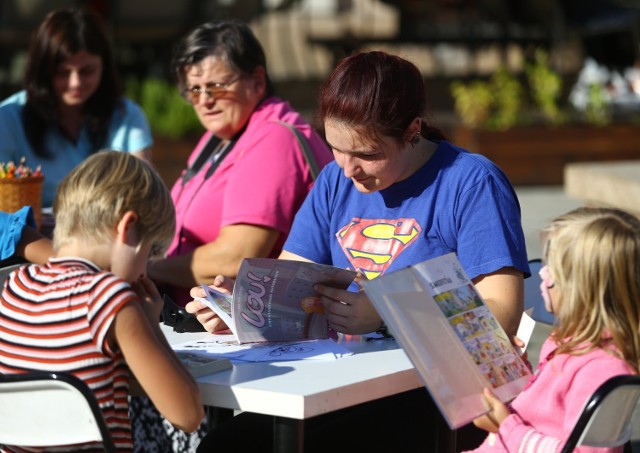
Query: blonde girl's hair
point(593, 254)
point(95, 195)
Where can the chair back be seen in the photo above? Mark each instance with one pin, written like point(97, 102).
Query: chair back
point(533, 298)
point(5, 271)
point(605, 420)
point(49, 409)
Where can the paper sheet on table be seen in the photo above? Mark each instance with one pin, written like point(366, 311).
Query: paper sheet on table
point(227, 346)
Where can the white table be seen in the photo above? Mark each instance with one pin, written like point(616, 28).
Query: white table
point(298, 390)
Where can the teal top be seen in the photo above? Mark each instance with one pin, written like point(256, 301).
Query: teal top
point(129, 131)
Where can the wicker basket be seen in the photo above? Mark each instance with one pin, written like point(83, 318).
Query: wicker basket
point(18, 192)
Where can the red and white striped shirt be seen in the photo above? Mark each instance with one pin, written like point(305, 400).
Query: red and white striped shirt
point(55, 317)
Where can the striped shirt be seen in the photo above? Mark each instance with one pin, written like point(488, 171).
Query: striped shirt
point(55, 317)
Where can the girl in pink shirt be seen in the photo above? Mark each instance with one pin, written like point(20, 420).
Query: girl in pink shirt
point(590, 284)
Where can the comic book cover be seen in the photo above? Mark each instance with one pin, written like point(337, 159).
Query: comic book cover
point(450, 335)
point(274, 300)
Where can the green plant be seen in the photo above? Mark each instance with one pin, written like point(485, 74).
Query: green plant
point(545, 86)
point(167, 111)
point(507, 99)
point(498, 103)
point(472, 102)
point(598, 111)
point(493, 104)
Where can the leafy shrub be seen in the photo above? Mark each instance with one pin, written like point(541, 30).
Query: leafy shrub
point(167, 111)
point(545, 86)
point(492, 104)
point(472, 102)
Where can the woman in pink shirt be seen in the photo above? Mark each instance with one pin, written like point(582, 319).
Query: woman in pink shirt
point(591, 284)
point(248, 176)
point(243, 184)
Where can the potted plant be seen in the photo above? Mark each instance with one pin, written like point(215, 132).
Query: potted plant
point(523, 127)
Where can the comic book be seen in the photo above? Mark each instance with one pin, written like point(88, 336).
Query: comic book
point(454, 341)
point(274, 300)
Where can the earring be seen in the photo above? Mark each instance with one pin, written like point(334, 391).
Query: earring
point(415, 140)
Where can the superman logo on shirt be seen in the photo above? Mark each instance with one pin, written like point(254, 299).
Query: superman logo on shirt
point(371, 245)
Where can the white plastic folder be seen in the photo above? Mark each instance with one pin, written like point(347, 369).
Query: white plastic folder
point(450, 335)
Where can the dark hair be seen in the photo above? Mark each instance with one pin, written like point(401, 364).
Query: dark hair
point(61, 34)
point(378, 92)
point(230, 39)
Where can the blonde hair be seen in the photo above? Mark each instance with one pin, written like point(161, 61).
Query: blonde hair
point(592, 255)
point(95, 195)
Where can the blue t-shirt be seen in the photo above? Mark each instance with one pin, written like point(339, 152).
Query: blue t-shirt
point(128, 131)
point(11, 226)
point(457, 202)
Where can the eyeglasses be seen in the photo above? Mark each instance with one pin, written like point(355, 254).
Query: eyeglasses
point(212, 90)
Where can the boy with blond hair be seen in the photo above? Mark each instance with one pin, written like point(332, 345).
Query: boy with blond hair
point(90, 310)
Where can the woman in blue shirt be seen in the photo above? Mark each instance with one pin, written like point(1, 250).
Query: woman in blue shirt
point(72, 104)
point(397, 194)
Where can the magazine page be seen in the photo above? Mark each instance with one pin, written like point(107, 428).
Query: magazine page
point(221, 304)
point(450, 335)
point(274, 300)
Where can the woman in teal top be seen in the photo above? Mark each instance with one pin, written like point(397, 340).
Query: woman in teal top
point(72, 105)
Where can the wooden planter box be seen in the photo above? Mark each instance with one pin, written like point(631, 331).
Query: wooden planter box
point(536, 155)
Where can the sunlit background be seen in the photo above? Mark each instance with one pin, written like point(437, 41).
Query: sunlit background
point(489, 65)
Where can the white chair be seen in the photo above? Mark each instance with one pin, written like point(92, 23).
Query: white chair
point(5, 271)
point(50, 409)
point(605, 420)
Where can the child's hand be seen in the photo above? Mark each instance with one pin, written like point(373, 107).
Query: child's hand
point(498, 412)
point(150, 296)
point(519, 344)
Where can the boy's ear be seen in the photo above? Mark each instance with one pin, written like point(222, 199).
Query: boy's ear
point(126, 231)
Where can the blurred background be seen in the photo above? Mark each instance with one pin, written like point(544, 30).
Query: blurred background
point(497, 72)
point(535, 85)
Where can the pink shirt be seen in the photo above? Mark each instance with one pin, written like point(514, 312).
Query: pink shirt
point(544, 414)
point(262, 181)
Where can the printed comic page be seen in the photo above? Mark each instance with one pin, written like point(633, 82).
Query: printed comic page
point(450, 335)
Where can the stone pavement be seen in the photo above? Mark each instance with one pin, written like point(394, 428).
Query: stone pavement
point(539, 205)
point(605, 183)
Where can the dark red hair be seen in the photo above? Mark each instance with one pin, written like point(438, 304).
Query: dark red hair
point(376, 92)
